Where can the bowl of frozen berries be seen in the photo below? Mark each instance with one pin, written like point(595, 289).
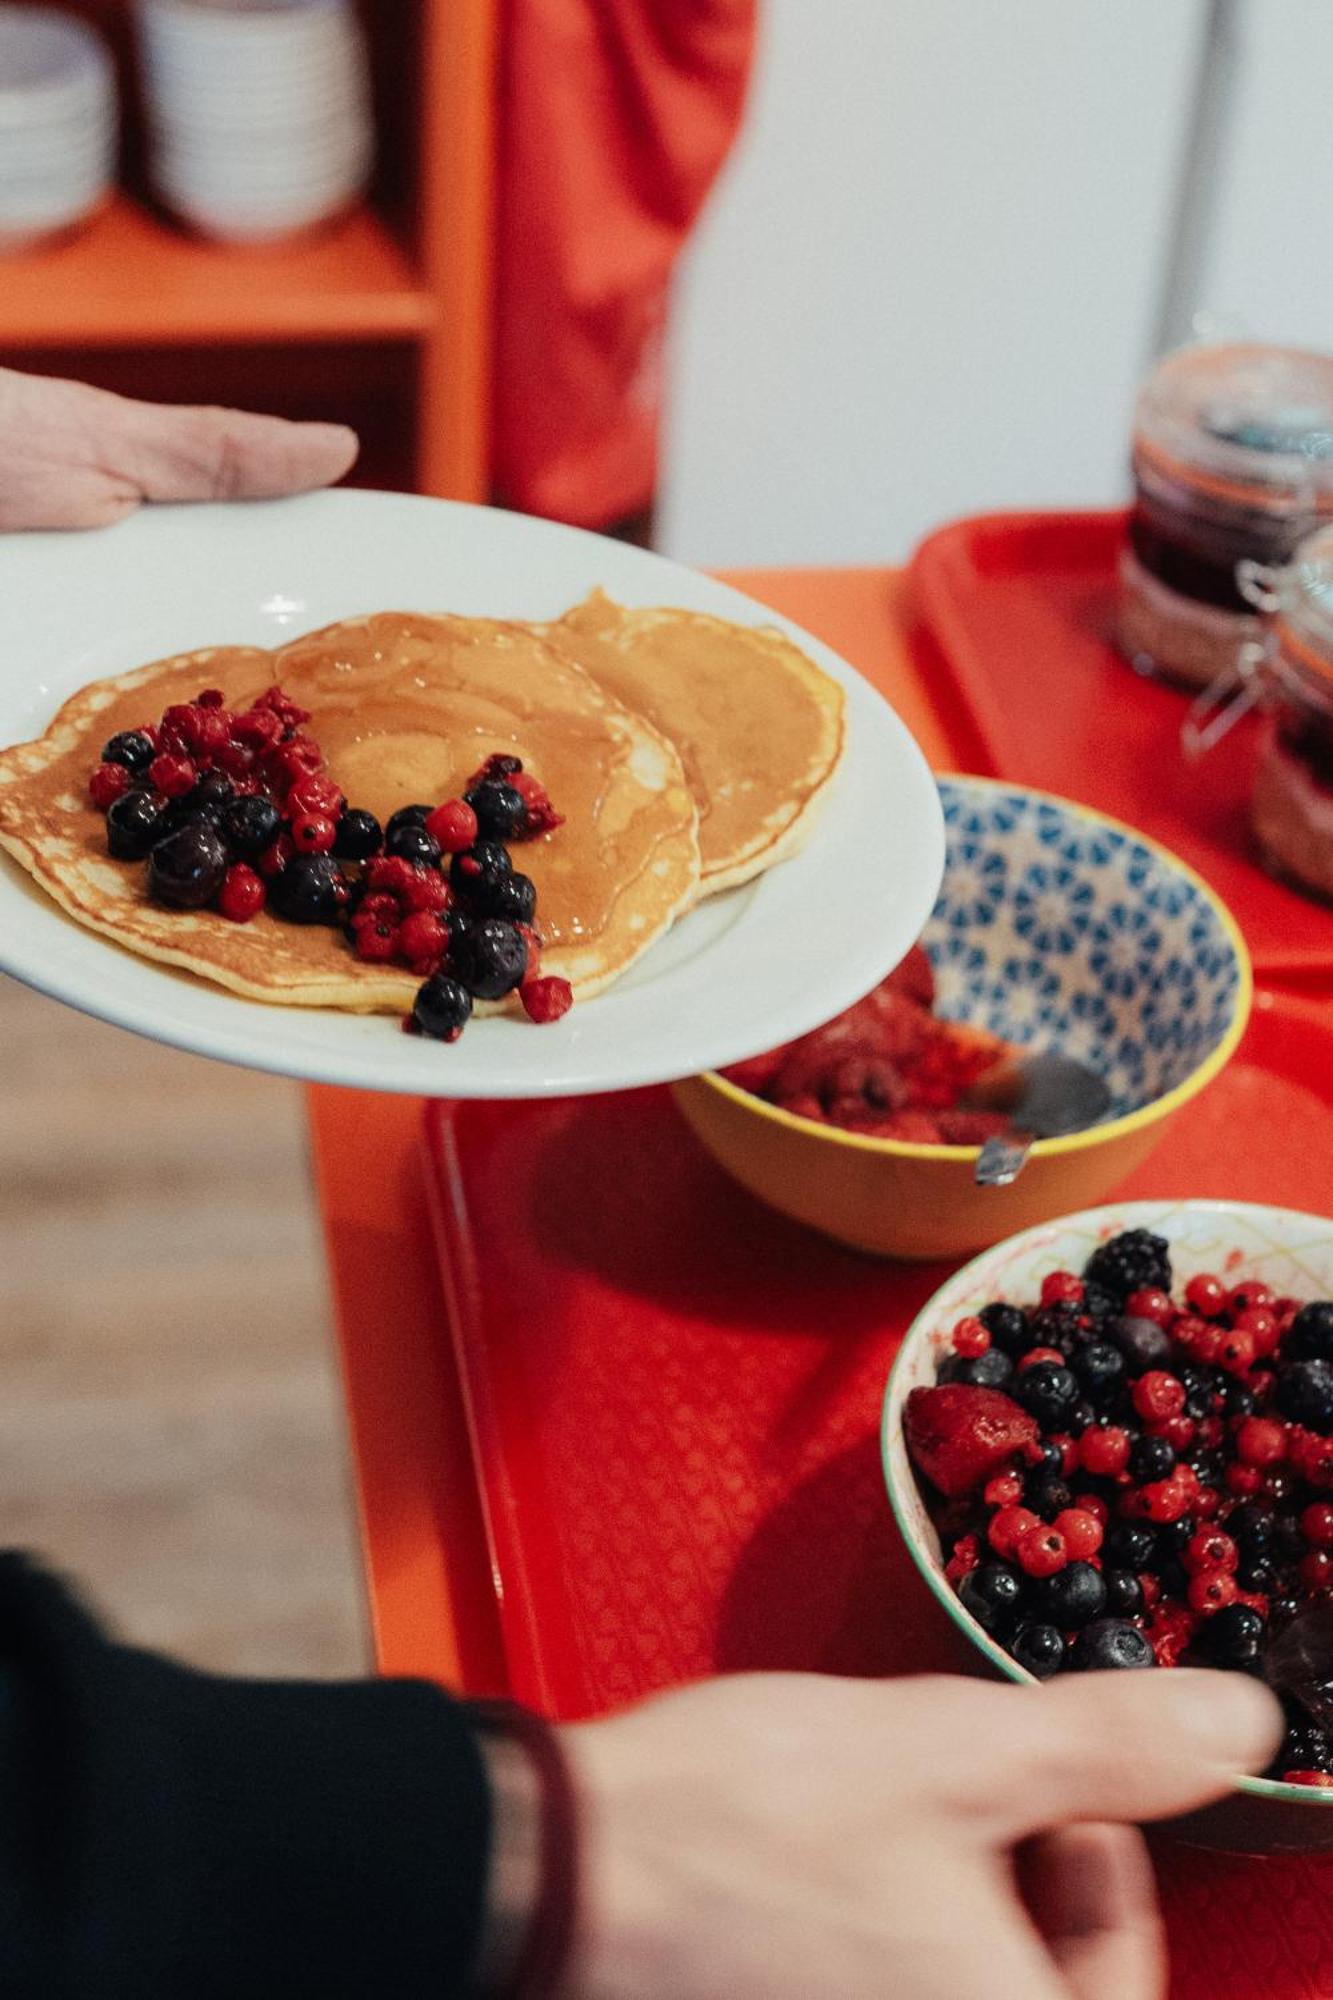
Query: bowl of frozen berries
point(1057, 931)
point(1108, 1443)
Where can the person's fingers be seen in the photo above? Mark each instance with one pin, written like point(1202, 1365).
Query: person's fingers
point(1118, 1746)
point(1093, 1898)
point(183, 452)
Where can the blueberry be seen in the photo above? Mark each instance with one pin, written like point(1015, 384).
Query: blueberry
point(1151, 1458)
point(1111, 1643)
point(1142, 1342)
point(133, 822)
point(1281, 1611)
point(490, 958)
point(1007, 1327)
point(1045, 1496)
point(1238, 1398)
point(1074, 1596)
point(1288, 1538)
point(210, 797)
point(1305, 1394)
point(1048, 1391)
point(1173, 1536)
point(1100, 1370)
point(1081, 1417)
point(501, 811)
point(992, 1593)
point(413, 843)
point(1128, 1545)
point(477, 870)
point(131, 748)
point(1256, 1573)
point(1233, 1636)
point(1310, 1335)
point(1040, 1649)
point(358, 836)
point(1250, 1525)
point(442, 1008)
point(1124, 1593)
point(185, 869)
point(407, 816)
point(311, 889)
point(514, 897)
point(1051, 1458)
point(991, 1370)
point(249, 826)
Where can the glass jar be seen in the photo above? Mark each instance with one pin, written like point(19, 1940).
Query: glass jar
point(1233, 463)
point(1292, 805)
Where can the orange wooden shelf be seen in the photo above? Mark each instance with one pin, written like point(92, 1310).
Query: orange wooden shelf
point(130, 279)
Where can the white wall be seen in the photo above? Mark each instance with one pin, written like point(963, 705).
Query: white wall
point(930, 278)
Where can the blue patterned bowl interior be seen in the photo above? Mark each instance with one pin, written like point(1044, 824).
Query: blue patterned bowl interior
point(1058, 929)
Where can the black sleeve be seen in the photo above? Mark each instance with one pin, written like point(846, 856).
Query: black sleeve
point(172, 1835)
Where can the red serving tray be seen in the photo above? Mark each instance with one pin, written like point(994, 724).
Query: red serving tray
point(1020, 609)
point(674, 1398)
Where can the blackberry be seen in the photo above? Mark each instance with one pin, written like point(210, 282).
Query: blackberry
point(311, 889)
point(359, 836)
point(1099, 1304)
point(249, 826)
point(185, 869)
point(1310, 1336)
point(1134, 1261)
point(992, 1593)
point(1048, 1391)
point(1007, 1327)
point(133, 822)
point(1304, 1394)
point(502, 812)
point(1056, 1325)
point(131, 748)
point(1039, 1648)
point(1110, 1643)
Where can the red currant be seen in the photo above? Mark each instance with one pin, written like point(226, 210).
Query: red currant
point(1179, 1432)
point(1061, 1288)
point(1165, 1500)
point(1317, 1524)
point(965, 1557)
point(1006, 1527)
point(275, 858)
point(1041, 1551)
point(1092, 1503)
point(242, 894)
point(970, 1337)
point(1211, 1590)
point(1158, 1395)
point(1312, 1457)
point(1260, 1441)
point(1244, 1480)
point(454, 825)
point(1242, 1298)
point(1036, 1354)
point(1103, 1450)
point(1148, 1303)
point(1211, 1549)
point(1316, 1569)
point(313, 833)
point(1206, 1295)
point(1236, 1353)
point(1082, 1533)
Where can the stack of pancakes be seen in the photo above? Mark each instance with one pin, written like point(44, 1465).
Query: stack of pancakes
point(686, 754)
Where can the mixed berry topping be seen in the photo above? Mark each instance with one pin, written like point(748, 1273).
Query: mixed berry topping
point(234, 811)
point(1122, 1479)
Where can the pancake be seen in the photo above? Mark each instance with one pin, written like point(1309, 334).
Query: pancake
point(405, 707)
point(758, 726)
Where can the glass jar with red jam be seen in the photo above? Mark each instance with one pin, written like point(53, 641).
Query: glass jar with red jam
point(1292, 805)
point(1233, 465)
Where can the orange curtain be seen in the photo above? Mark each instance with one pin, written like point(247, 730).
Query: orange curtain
point(615, 117)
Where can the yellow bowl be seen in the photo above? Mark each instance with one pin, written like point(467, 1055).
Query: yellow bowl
point(1137, 967)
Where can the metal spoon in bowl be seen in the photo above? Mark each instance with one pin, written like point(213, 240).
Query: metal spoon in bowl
point(1045, 1096)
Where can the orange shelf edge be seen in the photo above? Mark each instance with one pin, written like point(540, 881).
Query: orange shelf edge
point(129, 278)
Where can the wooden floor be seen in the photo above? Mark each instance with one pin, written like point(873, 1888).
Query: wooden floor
point(170, 1423)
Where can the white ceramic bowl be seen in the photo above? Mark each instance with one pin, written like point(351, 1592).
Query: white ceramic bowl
point(1290, 1251)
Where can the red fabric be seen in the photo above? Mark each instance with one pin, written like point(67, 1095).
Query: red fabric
point(616, 115)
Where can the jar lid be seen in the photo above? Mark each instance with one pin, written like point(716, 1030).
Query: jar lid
point(1250, 425)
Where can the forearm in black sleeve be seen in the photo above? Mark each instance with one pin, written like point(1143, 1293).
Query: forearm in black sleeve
point(172, 1835)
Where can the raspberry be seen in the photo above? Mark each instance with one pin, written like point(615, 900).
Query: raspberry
point(281, 705)
point(1060, 1288)
point(1150, 1304)
point(1260, 1441)
point(965, 1557)
point(379, 906)
point(454, 825)
point(171, 775)
point(1082, 1533)
point(970, 1337)
point(258, 729)
point(1206, 1295)
point(212, 729)
point(1005, 1490)
point(374, 938)
point(1158, 1395)
point(179, 729)
point(542, 816)
point(1244, 1480)
point(546, 999)
point(236, 759)
point(422, 936)
point(1041, 1551)
point(1210, 1549)
point(1103, 1450)
point(426, 890)
point(1319, 1780)
point(391, 873)
point(313, 833)
point(1316, 1569)
point(1036, 1354)
point(242, 894)
point(315, 793)
point(1211, 1590)
point(1317, 1524)
point(291, 761)
point(108, 783)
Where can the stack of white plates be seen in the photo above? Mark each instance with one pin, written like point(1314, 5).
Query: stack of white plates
point(259, 112)
point(57, 123)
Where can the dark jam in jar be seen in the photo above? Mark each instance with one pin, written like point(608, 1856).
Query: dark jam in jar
point(1292, 804)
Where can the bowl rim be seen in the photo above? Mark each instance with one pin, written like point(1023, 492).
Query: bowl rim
point(1133, 1213)
point(1092, 1135)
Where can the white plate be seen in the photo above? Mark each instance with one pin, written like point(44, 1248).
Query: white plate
point(741, 973)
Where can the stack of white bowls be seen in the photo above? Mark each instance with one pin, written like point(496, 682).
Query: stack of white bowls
point(259, 112)
point(57, 123)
